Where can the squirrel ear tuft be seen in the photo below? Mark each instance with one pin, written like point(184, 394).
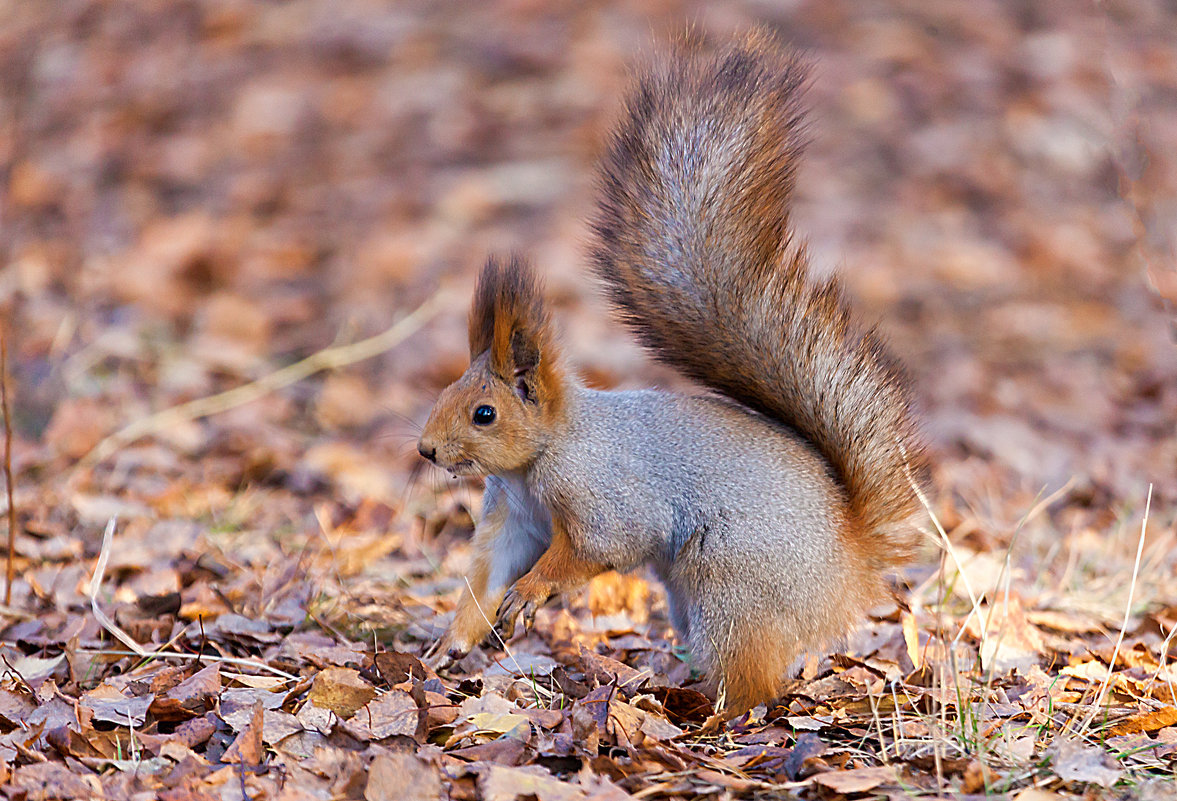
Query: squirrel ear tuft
point(510, 319)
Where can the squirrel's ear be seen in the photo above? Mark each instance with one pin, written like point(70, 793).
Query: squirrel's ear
point(509, 318)
point(526, 356)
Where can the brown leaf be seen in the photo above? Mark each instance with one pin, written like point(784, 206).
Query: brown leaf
point(762, 758)
point(341, 690)
point(911, 638)
point(809, 747)
point(1034, 794)
point(638, 724)
point(441, 711)
point(503, 751)
point(858, 780)
point(195, 732)
point(609, 671)
point(720, 779)
point(54, 780)
point(1075, 761)
point(1146, 721)
point(56, 713)
point(237, 705)
point(111, 706)
point(402, 777)
point(15, 707)
point(248, 748)
point(396, 667)
point(596, 706)
point(34, 670)
point(1071, 622)
point(390, 714)
point(977, 776)
point(1010, 640)
point(191, 698)
point(683, 705)
point(508, 784)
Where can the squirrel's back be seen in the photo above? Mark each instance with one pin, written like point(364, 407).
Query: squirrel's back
point(693, 239)
point(737, 514)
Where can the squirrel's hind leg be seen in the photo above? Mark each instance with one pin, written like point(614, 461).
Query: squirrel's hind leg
point(746, 662)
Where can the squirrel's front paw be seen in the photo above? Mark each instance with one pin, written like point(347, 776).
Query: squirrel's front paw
point(526, 595)
point(513, 604)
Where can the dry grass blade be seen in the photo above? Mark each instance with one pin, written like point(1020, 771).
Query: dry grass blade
point(10, 572)
point(1103, 688)
point(326, 359)
point(944, 542)
point(521, 673)
point(136, 649)
point(164, 654)
point(96, 584)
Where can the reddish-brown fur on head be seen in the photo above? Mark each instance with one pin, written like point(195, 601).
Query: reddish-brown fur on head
point(514, 370)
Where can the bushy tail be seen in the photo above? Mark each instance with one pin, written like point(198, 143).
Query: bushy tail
point(693, 241)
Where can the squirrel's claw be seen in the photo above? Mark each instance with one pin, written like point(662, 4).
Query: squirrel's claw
point(508, 610)
point(513, 604)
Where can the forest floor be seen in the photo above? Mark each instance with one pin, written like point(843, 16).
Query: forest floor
point(227, 595)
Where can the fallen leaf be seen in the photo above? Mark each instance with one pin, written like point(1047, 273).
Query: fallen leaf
point(683, 705)
point(392, 713)
point(1071, 622)
point(15, 707)
point(911, 638)
point(511, 724)
point(610, 671)
point(341, 690)
point(402, 777)
point(396, 668)
point(858, 780)
point(809, 746)
point(54, 780)
point(237, 705)
point(191, 698)
point(111, 706)
point(1146, 721)
point(1075, 761)
point(1008, 639)
point(34, 670)
point(1035, 794)
point(508, 784)
point(248, 749)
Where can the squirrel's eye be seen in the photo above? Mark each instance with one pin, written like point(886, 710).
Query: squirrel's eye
point(484, 415)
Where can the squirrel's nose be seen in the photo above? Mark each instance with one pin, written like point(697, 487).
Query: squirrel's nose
point(428, 451)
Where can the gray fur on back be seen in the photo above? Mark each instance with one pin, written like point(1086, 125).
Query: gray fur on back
point(729, 501)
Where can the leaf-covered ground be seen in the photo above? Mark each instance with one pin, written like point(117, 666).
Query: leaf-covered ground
point(199, 194)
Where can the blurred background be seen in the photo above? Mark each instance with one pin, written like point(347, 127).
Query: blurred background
point(196, 193)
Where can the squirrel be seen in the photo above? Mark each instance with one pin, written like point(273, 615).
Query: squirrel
point(772, 508)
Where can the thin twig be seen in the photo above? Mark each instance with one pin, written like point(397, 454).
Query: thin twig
point(1103, 687)
point(326, 359)
point(11, 571)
